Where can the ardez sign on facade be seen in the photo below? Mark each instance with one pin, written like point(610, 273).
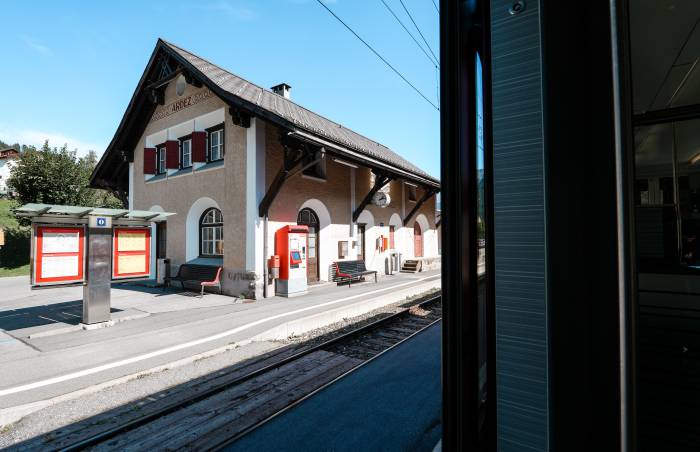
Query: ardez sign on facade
point(181, 104)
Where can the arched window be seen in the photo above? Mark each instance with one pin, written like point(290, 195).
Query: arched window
point(211, 233)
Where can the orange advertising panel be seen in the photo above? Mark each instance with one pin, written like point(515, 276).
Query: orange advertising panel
point(132, 253)
point(59, 255)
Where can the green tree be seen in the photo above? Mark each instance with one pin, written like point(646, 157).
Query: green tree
point(57, 176)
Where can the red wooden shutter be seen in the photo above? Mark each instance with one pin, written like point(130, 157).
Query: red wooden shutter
point(199, 146)
point(172, 154)
point(149, 160)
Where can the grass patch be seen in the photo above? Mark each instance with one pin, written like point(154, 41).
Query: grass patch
point(14, 255)
point(14, 271)
point(7, 218)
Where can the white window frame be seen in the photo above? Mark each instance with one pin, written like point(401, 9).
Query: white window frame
point(160, 160)
point(185, 156)
point(219, 147)
point(211, 233)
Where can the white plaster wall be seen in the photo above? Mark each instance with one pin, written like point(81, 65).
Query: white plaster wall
point(5, 168)
point(255, 191)
point(372, 257)
point(199, 124)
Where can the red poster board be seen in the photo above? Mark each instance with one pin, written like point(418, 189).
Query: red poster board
point(59, 255)
point(131, 256)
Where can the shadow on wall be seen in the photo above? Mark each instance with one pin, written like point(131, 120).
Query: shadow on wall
point(15, 252)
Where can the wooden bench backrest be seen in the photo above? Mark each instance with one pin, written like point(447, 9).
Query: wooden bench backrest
point(198, 272)
point(351, 267)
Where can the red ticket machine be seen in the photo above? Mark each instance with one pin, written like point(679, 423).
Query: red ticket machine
point(290, 246)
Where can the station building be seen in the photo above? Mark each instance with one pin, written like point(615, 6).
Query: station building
point(236, 162)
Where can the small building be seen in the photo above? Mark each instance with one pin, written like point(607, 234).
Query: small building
point(8, 158)
point(236, 162)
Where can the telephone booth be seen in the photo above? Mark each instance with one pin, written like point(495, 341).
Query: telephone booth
point(291, 247)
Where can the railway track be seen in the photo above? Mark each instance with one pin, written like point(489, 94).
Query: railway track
point(217, 410)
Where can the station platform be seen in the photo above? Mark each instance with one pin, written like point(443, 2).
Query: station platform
point(391, 403)
point(46, 356)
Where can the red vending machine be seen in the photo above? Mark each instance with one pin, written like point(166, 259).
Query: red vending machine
point(290, 246)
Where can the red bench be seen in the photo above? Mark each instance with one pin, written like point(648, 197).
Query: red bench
point(204, 275)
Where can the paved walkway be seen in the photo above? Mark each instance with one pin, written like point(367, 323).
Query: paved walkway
point(44, 353)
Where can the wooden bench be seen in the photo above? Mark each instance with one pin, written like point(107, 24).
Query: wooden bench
point(349, 271)
point(204, 275)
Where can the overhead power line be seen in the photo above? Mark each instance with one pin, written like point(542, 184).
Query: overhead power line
point(435, 63)
point(436, 7)
point(419, 32)
point(320, 2)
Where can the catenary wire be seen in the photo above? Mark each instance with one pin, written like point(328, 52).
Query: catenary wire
point(419, 32)
point(434, 62)
point(320, 2)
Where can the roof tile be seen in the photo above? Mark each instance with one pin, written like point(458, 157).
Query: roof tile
point(295, 113)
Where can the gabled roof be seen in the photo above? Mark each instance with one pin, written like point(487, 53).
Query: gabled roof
point(262, 102)
point(9, 153)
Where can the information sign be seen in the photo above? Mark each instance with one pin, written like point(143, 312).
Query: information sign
point(131, 253)
point(59, 255)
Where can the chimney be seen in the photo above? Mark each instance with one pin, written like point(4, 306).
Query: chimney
point(282, 89)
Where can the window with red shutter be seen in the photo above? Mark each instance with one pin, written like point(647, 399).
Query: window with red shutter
point(199, 147)
point(149, 161)
point(172, 154)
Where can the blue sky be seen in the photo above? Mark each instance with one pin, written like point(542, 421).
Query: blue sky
point(70, 67)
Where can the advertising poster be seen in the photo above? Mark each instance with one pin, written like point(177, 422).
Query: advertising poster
point(131, 253)
point(59, 255)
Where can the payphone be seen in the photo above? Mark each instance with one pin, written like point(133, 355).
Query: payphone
point(291, 247)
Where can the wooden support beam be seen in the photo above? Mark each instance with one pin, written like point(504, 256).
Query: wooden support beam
point(426, 196)
point(240, 117)
point(157, 96)
point(189, 78)
point(380, 180)
point(291, 160)
point(127, 156)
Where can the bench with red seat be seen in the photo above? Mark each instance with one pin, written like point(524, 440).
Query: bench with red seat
point(349, 271)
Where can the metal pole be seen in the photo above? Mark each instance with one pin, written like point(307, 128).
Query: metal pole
point(676, 202)
point(97, 288)
point(265, 271)
point(619, 34)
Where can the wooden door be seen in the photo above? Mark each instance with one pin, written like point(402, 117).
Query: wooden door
point(361, 242)
point(309, 218)
point(417, 240)
point(161, 239)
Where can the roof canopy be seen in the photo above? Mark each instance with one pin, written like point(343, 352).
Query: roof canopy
point(167, 59)
point(38, 210)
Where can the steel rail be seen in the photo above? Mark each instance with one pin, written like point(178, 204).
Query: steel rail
point(181, 404)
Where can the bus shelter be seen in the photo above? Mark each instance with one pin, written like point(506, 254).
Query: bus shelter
point(88, 246)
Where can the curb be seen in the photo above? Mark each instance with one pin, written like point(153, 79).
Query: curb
point(303, 325)
point(294, 327)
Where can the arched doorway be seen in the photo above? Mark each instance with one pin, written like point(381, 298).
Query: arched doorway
point(309, 218)
point(417, 240)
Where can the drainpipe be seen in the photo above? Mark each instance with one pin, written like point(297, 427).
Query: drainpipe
point(265, 270)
